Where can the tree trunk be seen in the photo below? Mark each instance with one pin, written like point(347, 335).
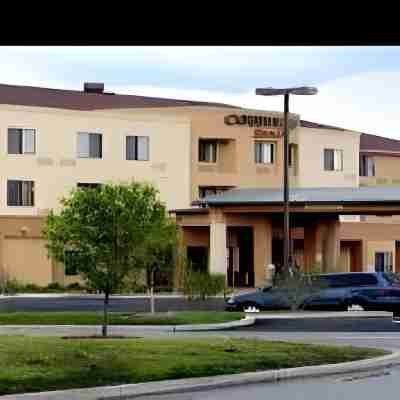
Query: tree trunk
point(105, 320)
point(152, 308)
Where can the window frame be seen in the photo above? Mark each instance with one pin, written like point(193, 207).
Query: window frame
point(136, 147)
point(22, 181)
point(78, 155)
point(364, 165)
point(216, 189)
point(87, 185)
point(67, 269)
point(272, 152)
point(215, 151)
point(335, 151)
point(23, 129)
point(390, 257)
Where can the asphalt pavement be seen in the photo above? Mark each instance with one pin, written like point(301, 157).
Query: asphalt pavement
point(136, 304)
point(380, 324)
point(366, 386)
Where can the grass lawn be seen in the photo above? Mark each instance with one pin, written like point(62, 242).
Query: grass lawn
point(30, 364)
point(96, 318)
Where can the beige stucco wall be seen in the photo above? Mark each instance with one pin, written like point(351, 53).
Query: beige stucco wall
point(311, 145)
point(56, 143)
point(239, 169)
point(387, 171)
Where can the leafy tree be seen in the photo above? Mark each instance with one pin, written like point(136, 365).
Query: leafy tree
point(296, 286)
point(108, 232)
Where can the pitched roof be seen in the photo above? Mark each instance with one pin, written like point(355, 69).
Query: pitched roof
point(333, 195)
point(315, 125)
point(378, 144)
point(79, 100)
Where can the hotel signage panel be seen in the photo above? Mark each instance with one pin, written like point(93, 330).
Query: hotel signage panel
point(263, 133)
point(253, 121)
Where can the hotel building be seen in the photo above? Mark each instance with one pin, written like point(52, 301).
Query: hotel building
point(218, 168)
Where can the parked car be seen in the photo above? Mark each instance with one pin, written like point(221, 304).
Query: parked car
point(370, 290)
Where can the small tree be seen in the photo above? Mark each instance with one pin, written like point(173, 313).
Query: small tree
point(296, 286)
point(108, 232)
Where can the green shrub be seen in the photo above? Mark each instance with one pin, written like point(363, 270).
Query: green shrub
point(32, 288)
point(75, 286)
point(55, 286)
point(202, 284)
point(12, 286)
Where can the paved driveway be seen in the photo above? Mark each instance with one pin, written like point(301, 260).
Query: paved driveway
point(136, 304)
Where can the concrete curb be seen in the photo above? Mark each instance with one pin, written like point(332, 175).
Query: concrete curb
point(121, 329)
point(132, 391)
point(324, 314)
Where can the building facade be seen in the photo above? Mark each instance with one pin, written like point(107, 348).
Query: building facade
point(53, 141)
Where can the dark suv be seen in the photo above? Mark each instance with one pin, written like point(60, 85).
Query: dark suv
point(371, 291)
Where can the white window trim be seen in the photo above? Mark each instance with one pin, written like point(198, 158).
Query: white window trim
point(21, 127)
point(23, 180)
point(335, 151)
point(217, 152)
point(273, 152)
point(95, 131)
point(136, 135)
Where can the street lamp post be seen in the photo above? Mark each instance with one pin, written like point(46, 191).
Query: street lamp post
point(305, 90)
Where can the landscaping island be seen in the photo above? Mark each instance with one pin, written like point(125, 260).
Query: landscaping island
point(120, 318)
point(34, 364)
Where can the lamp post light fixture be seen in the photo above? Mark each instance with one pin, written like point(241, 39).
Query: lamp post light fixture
point(269, 91)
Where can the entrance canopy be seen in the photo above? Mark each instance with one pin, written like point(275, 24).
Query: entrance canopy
point(358, 200)
point(316, 230)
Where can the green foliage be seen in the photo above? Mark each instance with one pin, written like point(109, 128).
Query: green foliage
point(296, 286)
point(36, 364)
point(112, 230)
point(202, 284)
point(11, 286)
point(75, 286)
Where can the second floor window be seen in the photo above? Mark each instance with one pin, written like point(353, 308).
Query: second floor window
point(367, 166)
point(89, 145)
point(264, 153)
point(137, 148)
point(20, 193)
point(208, 151)
point(21, 141)
point(333, 160)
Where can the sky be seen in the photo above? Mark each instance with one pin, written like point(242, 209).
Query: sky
point(358, 86)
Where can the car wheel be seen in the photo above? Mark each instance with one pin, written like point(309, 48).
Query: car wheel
point(250, 304)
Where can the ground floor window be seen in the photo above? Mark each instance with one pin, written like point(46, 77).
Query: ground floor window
point(70, 262)
point(384, 261)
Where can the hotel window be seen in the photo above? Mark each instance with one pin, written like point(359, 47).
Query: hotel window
point(21, 141)
point(333, 160)
point(82, 185)
point(208, 151)
point(264, 152)
point(20, 193)
point(89, 145)
point(384, 261)
point(70, 262)
point(137, 148)
point(212, 190)
point(367, 166)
